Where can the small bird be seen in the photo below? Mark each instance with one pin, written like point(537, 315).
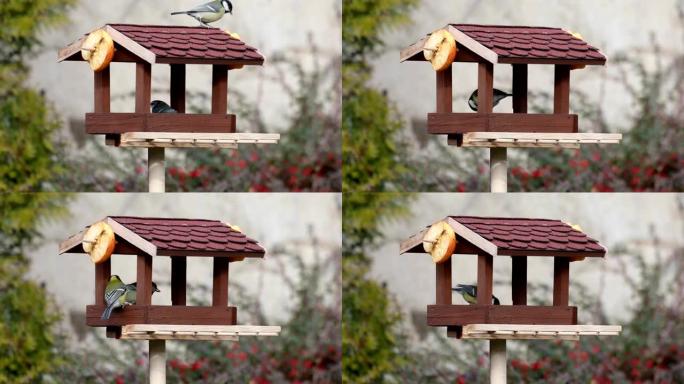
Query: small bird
point(498, 96)
point(159, 106)
point(469, 293)
point(209, 12)
point(119, 295)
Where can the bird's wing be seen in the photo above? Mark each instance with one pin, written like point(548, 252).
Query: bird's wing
point(212, 6)
point(114, 295)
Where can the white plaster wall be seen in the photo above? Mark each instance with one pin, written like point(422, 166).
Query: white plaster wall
point(610, 218)
point(273, 219)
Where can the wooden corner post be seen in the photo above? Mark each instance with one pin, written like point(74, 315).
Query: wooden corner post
point(219, 90)
point(520, 88)
point(220, 282)
point(561, 90)
point(443, 282)
point(144, 281)
point(103, 272)
point(561, 281)
point(519, 279)
point(445, 97)
point(178, 280)
point(178, 87)
point(485, 278)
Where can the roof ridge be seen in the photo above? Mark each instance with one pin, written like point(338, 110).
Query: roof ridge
point(163, 26)
point(503, 218)
point(505, 26)
point(162, 218)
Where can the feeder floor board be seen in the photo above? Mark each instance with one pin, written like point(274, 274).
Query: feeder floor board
point(195, 140)
point(537, 140)
point(537, 332)
point(195, 332)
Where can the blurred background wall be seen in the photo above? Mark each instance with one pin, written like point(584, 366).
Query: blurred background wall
point(299, 28)
point(624, 26)
point(616, 220)
point(303, 225)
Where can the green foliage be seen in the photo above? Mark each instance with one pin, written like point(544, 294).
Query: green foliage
point(28, 318)
point(371, 148)
point(26, 122)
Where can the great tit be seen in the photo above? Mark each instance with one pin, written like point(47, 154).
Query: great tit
point(209, 12)
point(469, 293)
point(498, 96)
point(119, 295)
point(159, 106)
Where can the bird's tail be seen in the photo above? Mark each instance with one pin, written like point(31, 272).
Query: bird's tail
point(107, 312)
point(179, 13)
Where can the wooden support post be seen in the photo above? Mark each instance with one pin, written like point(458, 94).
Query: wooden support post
point(519, 88)
point(102, 100)
point(485, 87)
point(443, 279)
point(144, 280)
point(220, 285)
point(519, 279)
point(561, 281)
point(445, 97)
point(178, 280)
point(178, 87)
point(485, 273)
point(143, 87)
point(157, 353)
point(103, 272)
point(497, 362)
point(561, 92)
point(219, 90)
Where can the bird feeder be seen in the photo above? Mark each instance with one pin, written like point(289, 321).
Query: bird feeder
point(518, 238)
point(518, 46)
point(177, 47)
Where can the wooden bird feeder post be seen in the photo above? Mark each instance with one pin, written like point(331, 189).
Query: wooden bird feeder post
point(489, 239)
point(146, 45)
point(148, 239)
point(518, 46)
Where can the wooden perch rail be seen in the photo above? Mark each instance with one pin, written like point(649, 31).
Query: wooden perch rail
point(537, 332)
point(537, 140)
point(195, 332)
point(195, 140)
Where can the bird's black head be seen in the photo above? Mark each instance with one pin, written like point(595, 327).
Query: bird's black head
point(154, 287)
point(228, 6)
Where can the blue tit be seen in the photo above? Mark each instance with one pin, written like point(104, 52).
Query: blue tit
point(209, 12)
point(120, 295)
point(159, 106)
point(498, 96)
point(469, 293)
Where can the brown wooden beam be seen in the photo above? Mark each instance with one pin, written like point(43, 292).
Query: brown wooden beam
point(102, 100)
point(485, 87)
point(178, 87)
point(178, 280)
point(561, 281)
point(519, 279)
point(162, 314)
point(561, 93)
point(220, 282)
point(520, 88)
point(458, 123)
point(143, 87)
point(103, 272)
point(219, 90)
point(485, 273)
point(455, 315)
point(443, 285)
point(144, 280)
point(107, 123)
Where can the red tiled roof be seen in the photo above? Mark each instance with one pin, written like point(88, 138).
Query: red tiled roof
point(516, 234)
point(190, 235)
point(173, 42)
point(513, 42)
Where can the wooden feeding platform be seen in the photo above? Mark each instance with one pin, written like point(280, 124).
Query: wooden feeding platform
point(150, 238)
point(175, 46)
point(520, 47)
point(518, 238)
